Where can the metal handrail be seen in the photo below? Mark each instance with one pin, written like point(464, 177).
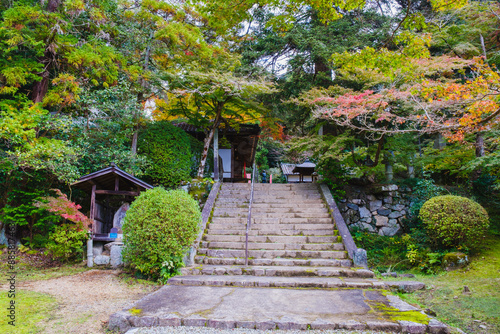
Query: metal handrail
point(249, 219)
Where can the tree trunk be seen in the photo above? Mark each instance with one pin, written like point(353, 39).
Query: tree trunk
point(204, 154)
point(41, 87)
point(134, 142)
point(479, 145)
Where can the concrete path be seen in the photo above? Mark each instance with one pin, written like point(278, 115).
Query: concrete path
point(275, 308)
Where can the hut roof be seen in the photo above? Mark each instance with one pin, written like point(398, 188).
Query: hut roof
point(106, 178)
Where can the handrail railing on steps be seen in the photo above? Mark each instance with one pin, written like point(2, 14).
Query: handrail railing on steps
point(249, 218)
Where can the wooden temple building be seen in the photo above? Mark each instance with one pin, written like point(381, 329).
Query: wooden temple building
point(235, 147)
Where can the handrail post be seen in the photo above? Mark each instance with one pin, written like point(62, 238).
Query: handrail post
point(249, 219)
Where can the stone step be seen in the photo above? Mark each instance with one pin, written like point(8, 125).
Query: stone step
point(271, 221)
point(212, 230)
point(273, 262)
point(271, 254)
point(271, 246)
point(277, 281)
point(273, 229)
point(258, 215)
point(280, 271)
point(255, 210)
point(283, 206)
point(271, 238)
point(245, 192)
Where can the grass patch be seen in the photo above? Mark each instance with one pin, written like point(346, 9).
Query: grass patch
point(31, 309)
point(444, 294)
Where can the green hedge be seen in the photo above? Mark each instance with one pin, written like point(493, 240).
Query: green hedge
point(455, 221)
point(158, 228)
point(168, 150)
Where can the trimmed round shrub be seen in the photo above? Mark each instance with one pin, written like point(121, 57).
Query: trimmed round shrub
point(157, 230)
point(454, 221)
point(168, 150)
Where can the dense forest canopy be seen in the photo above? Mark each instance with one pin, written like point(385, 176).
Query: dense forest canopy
point(80, 80)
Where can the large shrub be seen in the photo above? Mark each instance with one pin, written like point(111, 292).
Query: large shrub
point(158, 228)
point(168, 150)
point(454, 221)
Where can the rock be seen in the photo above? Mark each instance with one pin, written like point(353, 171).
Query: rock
point(407, 275)
point(368, 220)
point(375, 205)
point(352, 206)
point(357, 201)
point(387, 200)
point(455, 260)
point(412, 327)
point(390, 187)
point(364, 212)
point(390, 231)
point(367, 227)
point(398, 207)
point(111, 244)
point(119, 215)
point(381, 221)
point(116, 256)
point(406, 286)
point(101, 260)
point(395, 215)
point(371, 197)
point(360, 258)
point(384, 212)
point(97, 249)
point(343, 200)
point(393, 222)
point(391, 274)
point(343, 207)
point(466, 289)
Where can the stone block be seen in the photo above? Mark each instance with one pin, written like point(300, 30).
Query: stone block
point(119, 321)
point(393, 222)
point(390, 231)
point(352, 206)
point(101, 260)
point(375, 205)
point(387, 200)
point(412, 327)
point(320, 324)
point(384, 212)
point(265, 325)
point(245, 324)
point(352, 325)
point(383, 326)
point(145, 321)
point(395, 215)
point(360, 258)
point(381, 221)
point(221, 324)
point(436, 327)
point(97, 249)
point(364, 212)
point(194, 321)
point(115, 256)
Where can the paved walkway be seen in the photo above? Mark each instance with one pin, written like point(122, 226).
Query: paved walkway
point(275, 308)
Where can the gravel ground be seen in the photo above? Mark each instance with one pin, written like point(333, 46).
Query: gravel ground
point(86, 300)
point(205, 330)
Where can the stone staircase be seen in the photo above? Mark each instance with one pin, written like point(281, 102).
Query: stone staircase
point(299, 274)
point(293, 242)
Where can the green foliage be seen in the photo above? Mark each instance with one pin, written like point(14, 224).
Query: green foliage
point(66, 242)
point(169, 151)
point(455, 221)
point(158, 228)
point(422, 191)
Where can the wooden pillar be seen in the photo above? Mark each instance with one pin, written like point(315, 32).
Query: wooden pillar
point(117, 183)
point(216, 154)
point(92, 209)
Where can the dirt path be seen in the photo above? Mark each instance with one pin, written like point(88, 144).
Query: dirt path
point(86, 300)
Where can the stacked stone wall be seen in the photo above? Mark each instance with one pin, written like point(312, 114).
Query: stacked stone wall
point(377, 209)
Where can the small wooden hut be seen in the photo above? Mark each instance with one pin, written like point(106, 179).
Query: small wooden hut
point(111, 191)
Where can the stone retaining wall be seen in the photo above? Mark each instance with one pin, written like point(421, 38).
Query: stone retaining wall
point(376, 209)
